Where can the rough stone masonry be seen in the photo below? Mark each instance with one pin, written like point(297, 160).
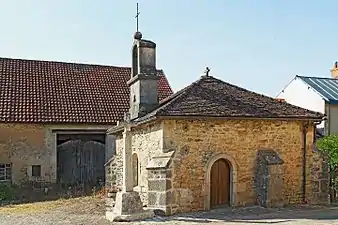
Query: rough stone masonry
point(182, 149)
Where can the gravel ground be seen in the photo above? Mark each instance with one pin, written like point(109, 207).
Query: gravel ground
point(90, 211)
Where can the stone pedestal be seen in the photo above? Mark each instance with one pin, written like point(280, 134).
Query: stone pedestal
point(128, 207)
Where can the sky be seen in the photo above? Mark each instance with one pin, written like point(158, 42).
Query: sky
point(257, 44)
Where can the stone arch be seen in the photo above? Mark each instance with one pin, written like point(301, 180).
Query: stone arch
point(233, 178)
point(135, 169)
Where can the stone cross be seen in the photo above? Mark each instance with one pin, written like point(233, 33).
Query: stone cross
point(127, 159)
point(137, 15)
point(207, 70)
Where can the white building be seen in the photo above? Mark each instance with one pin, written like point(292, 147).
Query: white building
point(317, 94)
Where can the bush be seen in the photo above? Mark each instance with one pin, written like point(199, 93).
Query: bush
point(7, 192)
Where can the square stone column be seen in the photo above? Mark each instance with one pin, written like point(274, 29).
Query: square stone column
point(160, 184)
point(127, 161)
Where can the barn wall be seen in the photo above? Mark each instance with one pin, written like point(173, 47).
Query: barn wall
point(24, 145)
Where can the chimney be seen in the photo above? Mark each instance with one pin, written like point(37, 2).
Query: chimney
point(334, 71)
point(143, 81)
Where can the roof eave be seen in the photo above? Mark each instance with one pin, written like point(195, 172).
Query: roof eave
point(331, 101)
point(316, 119)
point(115, 130)
point(119, 128)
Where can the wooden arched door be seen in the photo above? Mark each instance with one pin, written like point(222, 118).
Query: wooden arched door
point(220, 184)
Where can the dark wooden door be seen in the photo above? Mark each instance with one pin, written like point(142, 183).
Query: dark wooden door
point(220, 184)
point(81, 162)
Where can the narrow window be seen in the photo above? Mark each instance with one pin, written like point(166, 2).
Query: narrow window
point(5, 172)
point(135, 62)
point(135, 169)
point(36, 170)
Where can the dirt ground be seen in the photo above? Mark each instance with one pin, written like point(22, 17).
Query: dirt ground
point(90, 210)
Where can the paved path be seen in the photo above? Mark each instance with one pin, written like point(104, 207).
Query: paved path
point(91, 212)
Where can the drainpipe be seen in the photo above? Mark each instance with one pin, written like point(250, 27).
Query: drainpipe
point(305, 128)
point(328, 121)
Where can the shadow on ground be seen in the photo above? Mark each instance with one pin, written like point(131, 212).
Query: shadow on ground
point(259, 215)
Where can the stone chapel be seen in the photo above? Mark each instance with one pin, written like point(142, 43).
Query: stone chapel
point(213, 144)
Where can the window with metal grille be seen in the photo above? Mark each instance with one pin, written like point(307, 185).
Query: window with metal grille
point(5, 172)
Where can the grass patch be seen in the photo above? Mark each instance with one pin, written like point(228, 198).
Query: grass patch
point(36, 207)
point(81, 205)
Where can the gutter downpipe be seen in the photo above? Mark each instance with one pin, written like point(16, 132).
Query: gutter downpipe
point(305, 128)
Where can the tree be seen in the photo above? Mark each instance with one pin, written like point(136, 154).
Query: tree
point(329, 146)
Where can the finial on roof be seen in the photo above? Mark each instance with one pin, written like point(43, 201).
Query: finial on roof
point(207, 70)
point(138, 34)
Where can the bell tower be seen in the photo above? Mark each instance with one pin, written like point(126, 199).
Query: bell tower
point(143, 81)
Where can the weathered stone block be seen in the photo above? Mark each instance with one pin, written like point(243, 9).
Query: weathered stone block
point(324, 186)
point(168, 173)
point(325, 167)
point(128, 202)
point(152, 198)
point(159, 185)
point(315, 186)
point(162, 201)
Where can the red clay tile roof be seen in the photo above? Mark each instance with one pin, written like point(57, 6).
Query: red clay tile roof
point(56, 92)
point(211, 97)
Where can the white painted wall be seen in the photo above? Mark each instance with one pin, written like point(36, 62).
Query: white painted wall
point(300, 94)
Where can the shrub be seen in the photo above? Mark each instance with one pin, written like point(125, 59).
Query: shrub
point(7, 191)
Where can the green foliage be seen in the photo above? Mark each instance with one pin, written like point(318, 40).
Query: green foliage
point(329, 145)
point(7, 191)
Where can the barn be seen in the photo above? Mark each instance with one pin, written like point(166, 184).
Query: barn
point(54, 117)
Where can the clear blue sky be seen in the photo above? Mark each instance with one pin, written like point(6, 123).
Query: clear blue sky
point(257, 44)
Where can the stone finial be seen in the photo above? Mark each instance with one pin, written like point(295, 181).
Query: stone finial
point(138, 35)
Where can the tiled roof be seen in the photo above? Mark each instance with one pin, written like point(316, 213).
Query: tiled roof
point(325, 87)
point(211, 97)
point(57, 92)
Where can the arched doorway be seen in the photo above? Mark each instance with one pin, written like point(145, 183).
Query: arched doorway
point(220, 184)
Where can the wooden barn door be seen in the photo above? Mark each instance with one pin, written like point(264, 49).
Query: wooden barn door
point(220, 184)
point(81, 162)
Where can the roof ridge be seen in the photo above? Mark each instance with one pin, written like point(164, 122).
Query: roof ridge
point(241, 88)
point(67, 63)
point(328, 78)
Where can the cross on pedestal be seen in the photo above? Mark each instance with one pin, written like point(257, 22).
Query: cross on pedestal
point(128, 204)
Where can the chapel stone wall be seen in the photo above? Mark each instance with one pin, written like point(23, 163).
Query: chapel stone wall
point(195, 142)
